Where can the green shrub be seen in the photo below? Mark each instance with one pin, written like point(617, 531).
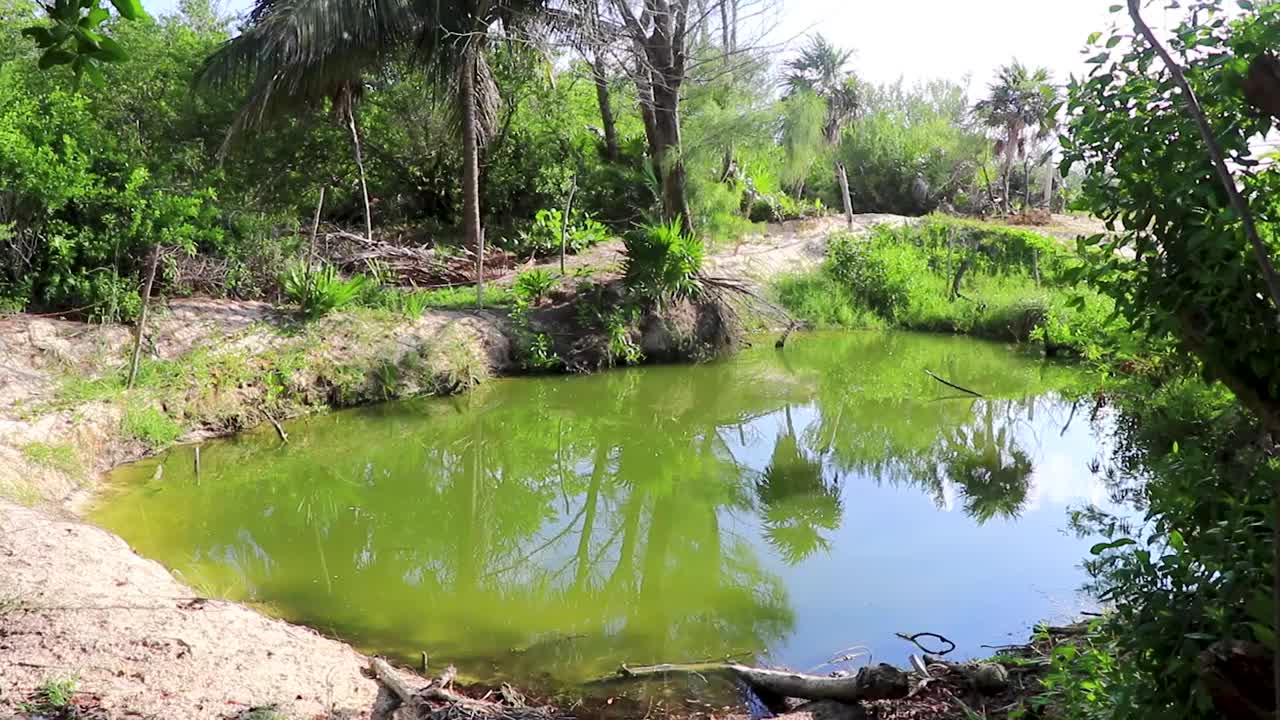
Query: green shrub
point(662, 262)
point(322, 290)
point(54, 697)
point(820, 300)
point(543, 235)
point(904, 277)
point(880, 274)
point(533, 285)
point(780, 207)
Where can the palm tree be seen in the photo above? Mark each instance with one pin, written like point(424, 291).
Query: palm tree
point(1021, 107)
point(821, 68)
point(798, 500)
point(990, 468)
point(296, 52)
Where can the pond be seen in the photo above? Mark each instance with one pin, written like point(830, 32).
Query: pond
point(779, 506)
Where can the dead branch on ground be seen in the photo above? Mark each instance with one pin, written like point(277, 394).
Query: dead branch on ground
point(881, 682)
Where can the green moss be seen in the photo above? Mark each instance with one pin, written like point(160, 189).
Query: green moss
point(55, 456)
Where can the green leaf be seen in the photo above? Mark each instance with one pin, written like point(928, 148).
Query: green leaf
point(1094, 37)
point(1264, 634)
point(1176, 540)
point(110, 51)
point(96, 17)
point(129, 9)
point(1115, 8)
point(54, 57)
point(1113, 41)
point(1174, 450)
point(42, 35)
point(1098, 59)
point(1105, 546)
point(94, 73)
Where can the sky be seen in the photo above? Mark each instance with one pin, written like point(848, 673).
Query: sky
point(923, 39)
point(918, 40)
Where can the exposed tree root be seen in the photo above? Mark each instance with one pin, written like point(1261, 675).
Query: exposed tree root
point(439, 701)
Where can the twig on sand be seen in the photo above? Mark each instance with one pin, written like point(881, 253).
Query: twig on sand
point(953, 385)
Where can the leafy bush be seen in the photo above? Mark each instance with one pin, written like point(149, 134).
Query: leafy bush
point(322, 290)
point(781, 207)
point(533, 285)
point(912, 150)
point(881, 275)
point(1199, 569)
point(663, 262)
point(905, 277)
point(543, 235)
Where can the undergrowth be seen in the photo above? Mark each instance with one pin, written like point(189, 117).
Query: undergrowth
point(956, 276)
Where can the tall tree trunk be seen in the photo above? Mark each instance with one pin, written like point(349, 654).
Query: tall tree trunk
point(726, 170)
point(1048, 186)
point(667, 154)
point(564, 225)
point(364, 187)
point(1026, 184)
point(472, 230)
point(733, 23)
point(311, 248)
point(142, 318)
point(606, 110)
point(648, 115)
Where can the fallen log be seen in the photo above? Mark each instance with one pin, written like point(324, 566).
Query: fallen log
point(879, 682)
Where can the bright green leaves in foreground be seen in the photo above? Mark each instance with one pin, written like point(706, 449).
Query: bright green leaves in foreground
point(75, 36)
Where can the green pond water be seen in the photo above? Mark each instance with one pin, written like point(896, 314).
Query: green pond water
point(779, 506)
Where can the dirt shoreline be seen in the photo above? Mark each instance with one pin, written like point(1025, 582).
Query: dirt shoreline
point(77, 602)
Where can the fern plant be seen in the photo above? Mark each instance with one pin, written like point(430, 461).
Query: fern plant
point(533, 285)
point(663, 262)
point(322, 290)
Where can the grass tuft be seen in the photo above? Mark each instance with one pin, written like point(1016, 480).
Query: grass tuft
point(143, 421)
point(63, 458)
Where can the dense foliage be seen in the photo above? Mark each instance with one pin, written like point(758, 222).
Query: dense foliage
point(1183, 263)
point(95, 173)
point(950, 275)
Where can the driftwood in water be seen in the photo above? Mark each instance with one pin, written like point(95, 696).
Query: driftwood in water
point(953, 385)
point(880, 682)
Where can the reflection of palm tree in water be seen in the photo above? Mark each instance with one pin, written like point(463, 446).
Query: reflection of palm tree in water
point(992, 471)
point(798, 501)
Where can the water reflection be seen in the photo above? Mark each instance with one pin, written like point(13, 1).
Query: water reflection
point(560, 526)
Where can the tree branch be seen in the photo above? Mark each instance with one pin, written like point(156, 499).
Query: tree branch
point(1216, 155)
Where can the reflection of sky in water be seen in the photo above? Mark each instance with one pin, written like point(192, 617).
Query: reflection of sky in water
point(900, 565)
